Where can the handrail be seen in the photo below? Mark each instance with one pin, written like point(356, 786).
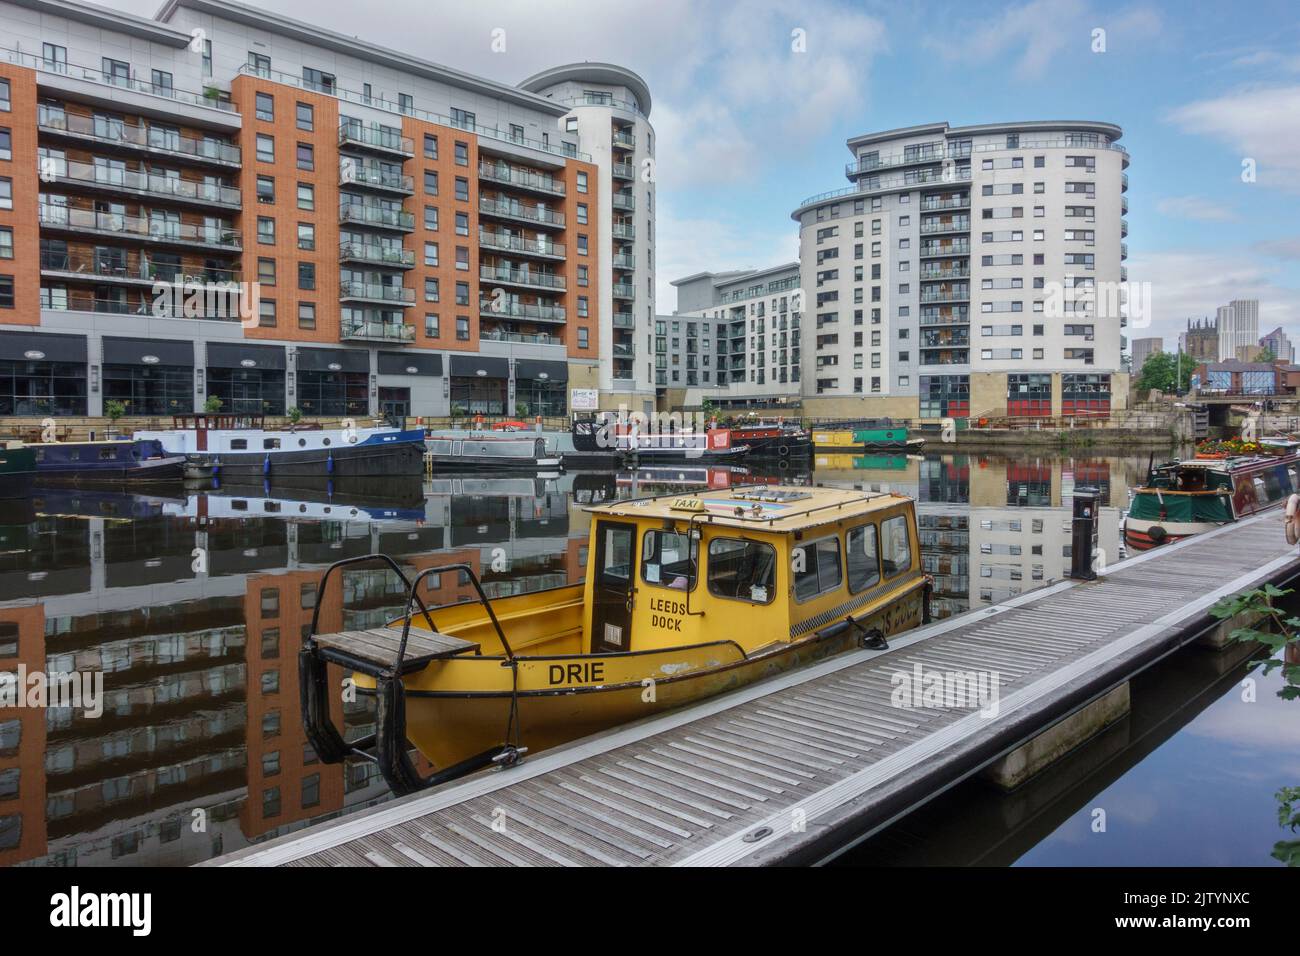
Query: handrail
point(483, 599)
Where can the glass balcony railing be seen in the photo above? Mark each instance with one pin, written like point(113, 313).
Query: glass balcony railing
point(365, 174)
point(156, 229)
point(376, 255)
point(526, 338)
point(933, 227)
point(376, 292)
point(519, 310)
point(525, 277)
point(92, 267)
point(515, 210)
point(624, 171)
point(624, 139)
point(961, 248)
point(935, 204)
point(624, 201)
point(98, 75)
point(624, 320)
point(520, 244)
point(957, 272)
point(522, 178)
point(624, 262)
point(624, 231)
point(150, 139)
point(934, 154)
point(142, 183)
point(356, 135)
point(624, 290)
point(364, 215)
point(365, 330)
point(873, 185)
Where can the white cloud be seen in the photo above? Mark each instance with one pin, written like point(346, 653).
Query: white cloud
point(1259, 123)
point(1280, 248)
point(1194, 207)
point(1034, 34)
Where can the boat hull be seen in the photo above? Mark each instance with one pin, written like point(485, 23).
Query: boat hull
point(441, 464)
point(171, 468)
point(461, 707)
point(344, 461)
point(1143, 535)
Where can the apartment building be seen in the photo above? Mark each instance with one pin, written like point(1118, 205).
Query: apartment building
point(1279, 344)
point(405, 238)
point(1143, 349)
point(969, 271)
point(745, 326)
point(1238, 325)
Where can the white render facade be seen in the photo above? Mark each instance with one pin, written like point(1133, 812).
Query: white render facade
point(610, 117)
point(749, 332)
point(969, 270)
point(1238, 324)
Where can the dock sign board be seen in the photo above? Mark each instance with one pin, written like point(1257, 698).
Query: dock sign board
point(584, 399)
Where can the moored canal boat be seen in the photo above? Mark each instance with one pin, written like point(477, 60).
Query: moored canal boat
point(17, 468)
point(686, 596)
point(1181, 498)
point(778, 439)
point(239, 446)
point(113, 460)
point(476, 452)
point(868, 435)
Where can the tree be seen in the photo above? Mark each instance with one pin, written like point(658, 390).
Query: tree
point(212, 405)
point(1160, 370)
point(1266, 356)
point(113, 410)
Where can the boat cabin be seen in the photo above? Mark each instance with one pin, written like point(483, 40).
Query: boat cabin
point(755, 565)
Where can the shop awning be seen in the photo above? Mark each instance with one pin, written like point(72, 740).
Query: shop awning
point(410, 363)
point(479, 366)
point(333, 360)
point(42, 347)
point(541, 369)
point(148, 352)
point(239, 355)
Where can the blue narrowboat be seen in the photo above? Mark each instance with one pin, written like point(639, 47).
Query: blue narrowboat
point(81, 462)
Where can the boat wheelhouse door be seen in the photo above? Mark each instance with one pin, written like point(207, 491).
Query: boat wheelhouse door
point(614, 589)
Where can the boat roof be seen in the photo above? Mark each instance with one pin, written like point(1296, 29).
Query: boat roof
point(782, 508)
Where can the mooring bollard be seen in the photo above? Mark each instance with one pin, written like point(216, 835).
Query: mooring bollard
point(1083, 537)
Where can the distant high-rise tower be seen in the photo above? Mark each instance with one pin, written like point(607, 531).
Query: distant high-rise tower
point(1238, 324)
point(1279, 344)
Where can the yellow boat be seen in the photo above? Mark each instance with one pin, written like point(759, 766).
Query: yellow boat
point(685, 597)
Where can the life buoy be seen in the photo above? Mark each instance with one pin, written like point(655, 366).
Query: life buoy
point(1293, 520)
point(1156, 533)
point(783, 450)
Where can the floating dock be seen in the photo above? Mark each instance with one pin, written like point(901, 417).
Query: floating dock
point(796, 769)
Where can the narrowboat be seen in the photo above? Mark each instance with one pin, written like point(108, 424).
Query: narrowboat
point(617, 442)
point(477, 452)
point(1185, 497)
point(240, 447)
point(868, 435)
point(17, 468)
point(123, 459)
point(686, 596)
point(778, 439)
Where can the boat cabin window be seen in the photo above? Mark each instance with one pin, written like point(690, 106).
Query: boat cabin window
point(816, 568)
point(238, 444)
point(618, 555)
point(107, 454)
point(440, 447)
point(270, 443)
point(740, 569)
point(862, 558)
point(895, 548)
point(669, 559)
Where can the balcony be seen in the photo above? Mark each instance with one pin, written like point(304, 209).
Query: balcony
point(525, 338)
point(371, 255)
point(939, 226)
point(624, 202)
point(81, 222)
point(1123, 228)
point(624, 320)
point(624, 171)
point(521, 277)
point(376, 292)
point(954, 272)
point(77, 265)
point(931, 250)
point(368, 330)
point(936, 204)
point(372, 176)
point(223, 308)
point(624, 350)
point(151, 140)
point(501, 309)
point(97, 75)
point(542, 248)
point(624, 290)
point(625, 231)
point(518, 212)
point(956, 294)
point(872, 186)
point(356, 136)
point(911, 157)
point(145, 185)
point(625, 262)
point(1123, 182)
point(376, 217)
point(521, 178)
point(1123, 250)
point(624, 139)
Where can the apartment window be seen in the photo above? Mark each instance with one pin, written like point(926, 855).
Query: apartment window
point(207, 57)
point(462, 328)
point(259, 63)
point(462, 153)
point(431, 326)
point(430, 253)
point(582, 182)
point(306, 236)
point(306, 315)
point(306, 275)
point(306, 156)
point(265, 107)
point(583, 278)
point(6, 144)
point(306, 196)
point(1040, 162)
point(6, 242)
point(266, 271)
point(266, 189)
point(306, 117)
point(582, 214)
point(431, 182)
point(266, 231)
point(265, 148)
point(6, 103)
point(462, 189)
point(462, 293)
point(582, 338)
point(431, 218)
point(117, 72)
point(582, 244)
point(430, 146)
point(317, 80)
point(463, 118)
point(462, 258)
point(266, 313)
point(6, 292)
point(405, 103)
point(462, 224)
point(431, 291)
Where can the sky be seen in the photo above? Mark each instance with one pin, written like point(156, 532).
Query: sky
point(753, 101)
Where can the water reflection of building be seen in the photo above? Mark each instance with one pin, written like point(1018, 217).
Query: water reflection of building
point(201, 707)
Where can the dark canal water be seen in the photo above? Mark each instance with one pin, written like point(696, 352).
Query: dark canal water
point(193, 604)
